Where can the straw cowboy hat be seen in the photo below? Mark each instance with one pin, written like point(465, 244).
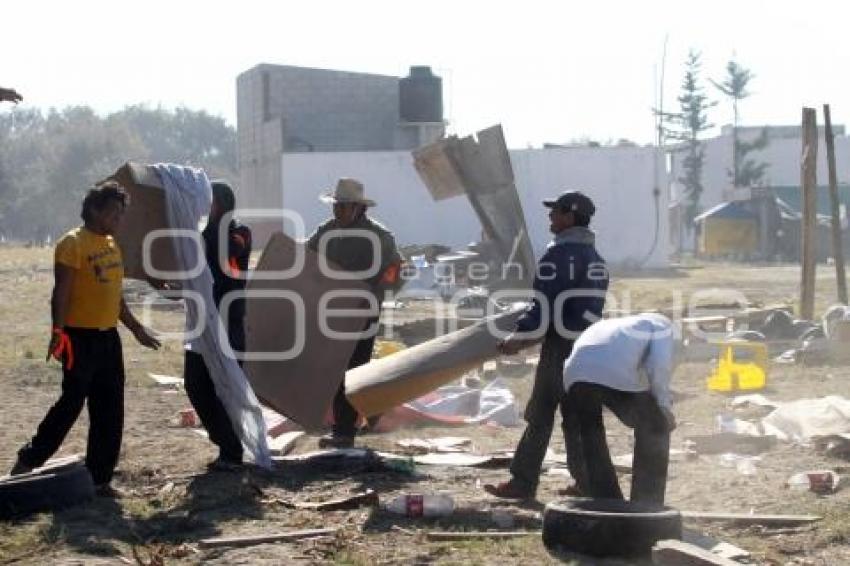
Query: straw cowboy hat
point(347, 190)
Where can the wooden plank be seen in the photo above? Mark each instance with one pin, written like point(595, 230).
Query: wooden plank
point(283, 444)
point(721, 442)
point(262, 539)
point(367, 498)
point(679, 553)
point(751, 519)
point(466, 535)
point(809, 185)
point(837, 246)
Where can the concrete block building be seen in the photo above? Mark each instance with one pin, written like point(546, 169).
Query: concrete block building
point(283, 109)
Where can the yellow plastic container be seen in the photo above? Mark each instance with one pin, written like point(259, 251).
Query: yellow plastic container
point(742, 367)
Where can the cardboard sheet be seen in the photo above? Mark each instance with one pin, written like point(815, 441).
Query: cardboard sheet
point(147, 212)
point(303, 386)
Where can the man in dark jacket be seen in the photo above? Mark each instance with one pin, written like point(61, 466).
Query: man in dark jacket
point(338, 239)
point(225, 267)
point(570, 287)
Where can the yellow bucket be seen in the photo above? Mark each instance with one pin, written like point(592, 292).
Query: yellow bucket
point(742, 367)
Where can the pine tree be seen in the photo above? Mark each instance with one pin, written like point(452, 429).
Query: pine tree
point(686, 126)
point(745, 172)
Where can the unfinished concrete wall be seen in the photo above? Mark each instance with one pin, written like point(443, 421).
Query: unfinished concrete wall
point(620, 180)
point(284, 109)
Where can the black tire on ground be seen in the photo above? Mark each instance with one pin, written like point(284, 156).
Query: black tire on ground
point(55, 465)
point(608, 527)
point(54, 489)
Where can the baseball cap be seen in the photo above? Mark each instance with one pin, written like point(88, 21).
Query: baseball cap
point(574, 201)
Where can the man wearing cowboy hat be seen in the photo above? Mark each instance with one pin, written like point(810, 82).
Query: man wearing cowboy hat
point(353, 251)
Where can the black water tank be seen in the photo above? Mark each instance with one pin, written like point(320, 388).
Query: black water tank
point(420, 96)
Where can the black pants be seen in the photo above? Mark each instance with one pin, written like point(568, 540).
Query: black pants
point(345, 415)
point(213, 415)
point(546, 396)
point(638, 411)
point(97, 376)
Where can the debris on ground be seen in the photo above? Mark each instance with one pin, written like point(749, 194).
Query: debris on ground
point(263, 539)
point(818, 481)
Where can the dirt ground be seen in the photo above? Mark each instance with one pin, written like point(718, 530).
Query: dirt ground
point(171, 503)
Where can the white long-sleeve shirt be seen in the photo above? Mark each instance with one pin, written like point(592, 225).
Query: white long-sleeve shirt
point(633, 353)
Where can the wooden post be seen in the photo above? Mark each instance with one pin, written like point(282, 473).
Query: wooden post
point(809, 186)
point(837, 246)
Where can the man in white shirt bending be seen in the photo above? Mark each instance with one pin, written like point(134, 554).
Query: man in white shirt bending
point(624, 364)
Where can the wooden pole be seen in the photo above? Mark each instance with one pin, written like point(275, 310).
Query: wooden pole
point(837, 246)
point(808, 183)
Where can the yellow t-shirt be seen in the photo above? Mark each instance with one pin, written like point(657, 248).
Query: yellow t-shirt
point(98, 273)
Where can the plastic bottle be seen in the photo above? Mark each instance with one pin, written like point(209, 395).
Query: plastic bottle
point(421, 505)
point(799, 482)
point(818, 481)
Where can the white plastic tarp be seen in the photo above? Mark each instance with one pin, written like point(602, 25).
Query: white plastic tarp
point(188, 197)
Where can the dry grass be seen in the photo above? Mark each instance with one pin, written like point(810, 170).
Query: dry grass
point(171, 504)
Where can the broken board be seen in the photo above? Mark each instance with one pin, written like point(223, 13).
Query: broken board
point(482, 170)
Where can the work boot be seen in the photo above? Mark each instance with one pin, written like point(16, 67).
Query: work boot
point(509, 490)
point(221, 464)
point(571, 491)
point(336, 441)
point(108, 492)
point(20, 468)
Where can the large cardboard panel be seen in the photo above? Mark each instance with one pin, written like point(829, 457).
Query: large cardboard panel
point(401, 377)
point(147, 212)
point(303, 386)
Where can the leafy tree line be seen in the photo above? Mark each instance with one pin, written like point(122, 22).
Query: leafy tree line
point(48, 159)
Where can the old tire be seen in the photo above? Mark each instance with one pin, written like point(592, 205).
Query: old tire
point(54, 488)
point(608, 527)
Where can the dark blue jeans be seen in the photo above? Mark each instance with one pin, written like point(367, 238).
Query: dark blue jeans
point(638, 411)
point(547, 396)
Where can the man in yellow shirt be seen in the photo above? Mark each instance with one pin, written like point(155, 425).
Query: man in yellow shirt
point(86, 306)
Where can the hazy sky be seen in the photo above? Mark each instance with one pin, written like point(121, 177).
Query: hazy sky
point(548, 71)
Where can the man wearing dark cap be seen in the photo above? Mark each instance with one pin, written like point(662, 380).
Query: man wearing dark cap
point(351, 251)
point(571, 269)
point(10, 95)
point(225, 267)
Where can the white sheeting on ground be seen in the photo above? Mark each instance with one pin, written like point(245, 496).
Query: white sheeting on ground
point(805, 419)
point(801, 420)
point(494, 403)
point(188, 196)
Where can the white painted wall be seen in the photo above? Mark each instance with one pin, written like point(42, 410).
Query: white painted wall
point(782, 154)
point(620, 181)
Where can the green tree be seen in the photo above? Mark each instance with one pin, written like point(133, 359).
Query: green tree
point(47, 160)
point(745, 172)
point(686, 126)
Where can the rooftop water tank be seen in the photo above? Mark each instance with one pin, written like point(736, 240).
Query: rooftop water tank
point(420, 96)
